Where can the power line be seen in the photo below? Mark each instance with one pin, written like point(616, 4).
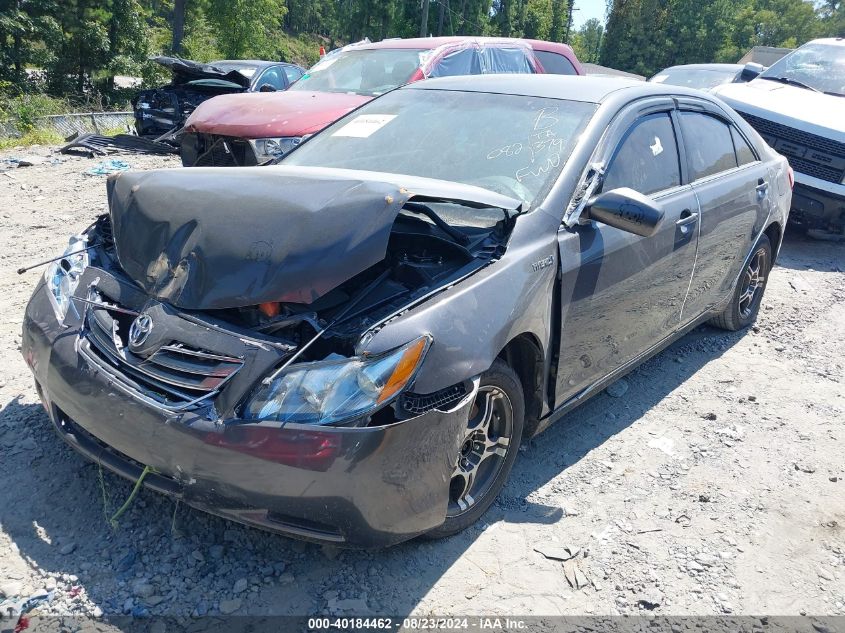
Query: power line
point(463, 19)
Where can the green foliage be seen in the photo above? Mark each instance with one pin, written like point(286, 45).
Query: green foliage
point(77, 46)
point(24, 109)
point(587, 41)
point(245, 28)
point(644, 36)
point(200, 41)
point(537, 23)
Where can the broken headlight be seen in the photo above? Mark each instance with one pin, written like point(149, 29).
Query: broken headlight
point(331, 391)
point(62, 276)
point(269, 148)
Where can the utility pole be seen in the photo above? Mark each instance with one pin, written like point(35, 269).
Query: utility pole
point(424, 21)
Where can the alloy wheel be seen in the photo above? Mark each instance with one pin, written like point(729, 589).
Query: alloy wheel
point(753, 281)
point(483, 451)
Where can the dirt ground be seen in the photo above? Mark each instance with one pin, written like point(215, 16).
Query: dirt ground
point(713, 485)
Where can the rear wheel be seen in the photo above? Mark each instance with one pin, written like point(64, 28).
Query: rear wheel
point(488, 451)
point(745, 304)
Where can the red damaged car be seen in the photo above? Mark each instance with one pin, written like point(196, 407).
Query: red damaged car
point(252, 129)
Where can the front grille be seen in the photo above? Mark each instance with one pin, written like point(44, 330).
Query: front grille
point(807, 153)
point(417, 404)
point(222, 151)
point(174, 375)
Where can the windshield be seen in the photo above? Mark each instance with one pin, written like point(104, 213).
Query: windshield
point(819, 66)
point(363, 72)
point(513, 145)
point(695, 77)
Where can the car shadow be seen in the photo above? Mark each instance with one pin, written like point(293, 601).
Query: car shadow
point(166, 559)
point(801, 252)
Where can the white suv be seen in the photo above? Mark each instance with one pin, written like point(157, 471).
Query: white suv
point(798, 106)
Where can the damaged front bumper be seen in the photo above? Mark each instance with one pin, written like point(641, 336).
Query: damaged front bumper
point(352, 486)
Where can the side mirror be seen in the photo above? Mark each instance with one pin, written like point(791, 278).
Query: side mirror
point(751, 71)
point(267, 88)
point(625, 209)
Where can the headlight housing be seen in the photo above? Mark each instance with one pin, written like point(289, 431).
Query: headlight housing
point(269, 148)
point(62, 275)
point(331, 391)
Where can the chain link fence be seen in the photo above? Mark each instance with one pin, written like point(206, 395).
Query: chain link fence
point(77, 123)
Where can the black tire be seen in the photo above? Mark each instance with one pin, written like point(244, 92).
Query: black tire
point(500, 388)
point(742, 310)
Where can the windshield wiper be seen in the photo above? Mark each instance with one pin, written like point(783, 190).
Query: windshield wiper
point(792, 82)
point(835, 94)
point(422, 209)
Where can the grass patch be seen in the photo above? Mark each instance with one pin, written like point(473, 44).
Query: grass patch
point(33, 137)
point(302, 49)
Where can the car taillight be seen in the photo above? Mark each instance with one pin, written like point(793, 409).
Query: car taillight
point(791, 175)
point(311, 450)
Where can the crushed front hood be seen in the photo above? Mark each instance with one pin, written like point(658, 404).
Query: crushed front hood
point(271, 114)
point(185, 70)
point(202, 240)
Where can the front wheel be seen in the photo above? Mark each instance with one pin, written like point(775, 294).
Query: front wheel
point(488, 451)
point(745, 303)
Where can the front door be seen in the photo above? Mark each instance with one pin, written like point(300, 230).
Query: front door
point(621, 294)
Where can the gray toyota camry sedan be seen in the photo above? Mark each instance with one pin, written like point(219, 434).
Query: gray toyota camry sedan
point(350, 345)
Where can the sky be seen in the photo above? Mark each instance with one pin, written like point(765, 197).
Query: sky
point(586, 9)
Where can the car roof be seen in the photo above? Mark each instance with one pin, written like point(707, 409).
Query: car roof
point(429, 43)
point(261, 63)
point(571, 87)
point(711, 67)
point(839, 41)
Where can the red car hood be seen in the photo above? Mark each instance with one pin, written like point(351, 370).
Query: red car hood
point(266, 115)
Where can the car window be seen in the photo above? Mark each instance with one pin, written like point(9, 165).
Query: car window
point(482, 60)
point(555, 63)
point(708, 143)
point(272, 76)
point(744, 153)
point(647, 159)
point(369, 72)
point(292, 73)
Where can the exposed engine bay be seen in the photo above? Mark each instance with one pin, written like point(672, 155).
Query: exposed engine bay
point(420, 260)
point(164, 109)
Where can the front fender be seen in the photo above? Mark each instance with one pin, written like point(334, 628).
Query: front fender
point(474, 320)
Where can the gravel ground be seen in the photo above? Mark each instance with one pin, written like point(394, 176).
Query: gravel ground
point(712, 483)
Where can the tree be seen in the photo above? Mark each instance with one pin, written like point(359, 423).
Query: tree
point(588, 40)
point(537, 22)
point(244, 27)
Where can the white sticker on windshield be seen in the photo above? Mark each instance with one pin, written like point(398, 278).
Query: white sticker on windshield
point(659, 79)
point(364, 125)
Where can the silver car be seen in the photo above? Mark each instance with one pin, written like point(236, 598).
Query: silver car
point(350, 346)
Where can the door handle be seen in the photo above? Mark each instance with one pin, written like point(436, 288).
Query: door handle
point(762, 188)
point(687, 217)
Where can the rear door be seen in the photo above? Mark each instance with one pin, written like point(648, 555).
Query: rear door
point(732, 189)
point(622, 294)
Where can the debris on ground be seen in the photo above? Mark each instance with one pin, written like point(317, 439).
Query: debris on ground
point(107, 167)
point(554, 551)
point(92, 145)
point(576, 578)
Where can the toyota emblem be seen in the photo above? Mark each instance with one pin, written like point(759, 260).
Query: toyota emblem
point(140, 329)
